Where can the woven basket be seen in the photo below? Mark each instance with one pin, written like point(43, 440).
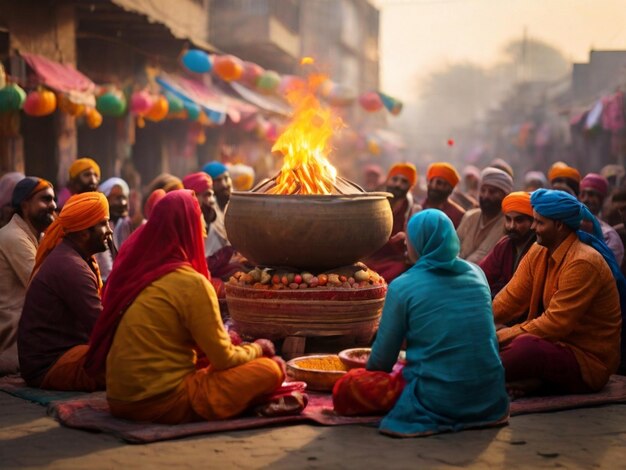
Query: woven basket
point(277, 314)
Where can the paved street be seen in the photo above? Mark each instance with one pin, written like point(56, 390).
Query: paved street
point(585, 438)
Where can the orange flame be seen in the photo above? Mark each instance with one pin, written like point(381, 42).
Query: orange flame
point(305, 143)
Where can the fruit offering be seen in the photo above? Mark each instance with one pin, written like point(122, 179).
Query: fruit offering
point(356, 276)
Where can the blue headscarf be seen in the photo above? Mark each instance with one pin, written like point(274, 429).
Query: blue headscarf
point(559, 205)
point(432, 234)
point(214, 169)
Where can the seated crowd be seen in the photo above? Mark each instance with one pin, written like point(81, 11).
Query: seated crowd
point(494, 294)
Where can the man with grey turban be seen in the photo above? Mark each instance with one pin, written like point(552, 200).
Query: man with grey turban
point(117, 192)
point(481, 228)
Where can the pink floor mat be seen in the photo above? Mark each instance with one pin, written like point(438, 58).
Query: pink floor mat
point(92, 412)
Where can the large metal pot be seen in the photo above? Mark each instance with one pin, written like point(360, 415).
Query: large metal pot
point(312, 232)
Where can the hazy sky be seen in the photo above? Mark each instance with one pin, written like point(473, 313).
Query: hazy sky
point(418, 36)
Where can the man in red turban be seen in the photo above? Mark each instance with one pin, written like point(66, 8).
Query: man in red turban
point(442, 178)
point(202, 185)
point(390, 260)
point(63, 299)
point(593, 190)
point(502, 261)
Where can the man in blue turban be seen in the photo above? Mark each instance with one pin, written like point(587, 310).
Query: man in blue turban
point(222, 183)
point(222, 187)
point(570, 285)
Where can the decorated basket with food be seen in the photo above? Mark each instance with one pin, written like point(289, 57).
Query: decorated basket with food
point(320, 372)
point(276, 302)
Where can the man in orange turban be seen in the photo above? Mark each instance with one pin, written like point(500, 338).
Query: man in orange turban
point(565, 178)
point(442, 179)
point(63, 299)
point(390, 260)
point(502, 261)
point(84, 175)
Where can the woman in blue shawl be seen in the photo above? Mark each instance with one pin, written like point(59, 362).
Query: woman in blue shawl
point(442, 307)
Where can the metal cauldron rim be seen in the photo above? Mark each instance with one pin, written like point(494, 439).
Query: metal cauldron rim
point(315, 197)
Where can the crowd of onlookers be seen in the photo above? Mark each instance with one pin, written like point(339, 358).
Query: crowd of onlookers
point(490, 290)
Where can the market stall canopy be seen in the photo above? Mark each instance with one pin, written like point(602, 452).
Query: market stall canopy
point(215, 103)
point(188, 20)
point(267, 103)
point(63, 78)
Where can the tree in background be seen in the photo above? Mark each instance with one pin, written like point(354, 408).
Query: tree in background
point(454, 100)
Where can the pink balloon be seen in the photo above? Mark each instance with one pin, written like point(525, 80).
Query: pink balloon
point(141, 102)
point(370, 101)
point(251, 73)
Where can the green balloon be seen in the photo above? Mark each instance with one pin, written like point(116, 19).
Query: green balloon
point(268, 81)
point(12, 98)
point(111, 104)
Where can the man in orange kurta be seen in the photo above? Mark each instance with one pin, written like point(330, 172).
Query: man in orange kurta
point(570, 341)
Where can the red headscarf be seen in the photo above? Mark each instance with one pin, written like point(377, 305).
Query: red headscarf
point(171, 239)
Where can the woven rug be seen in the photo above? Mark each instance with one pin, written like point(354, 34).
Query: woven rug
point(16, 386)
point(90, 411)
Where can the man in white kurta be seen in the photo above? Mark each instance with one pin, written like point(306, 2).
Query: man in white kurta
point(33, 201)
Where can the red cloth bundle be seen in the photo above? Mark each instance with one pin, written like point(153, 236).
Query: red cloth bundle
point(363, 392)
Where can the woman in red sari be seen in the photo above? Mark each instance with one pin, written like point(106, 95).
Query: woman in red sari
point(157, 307)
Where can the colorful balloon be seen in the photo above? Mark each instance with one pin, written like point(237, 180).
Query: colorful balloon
point(370, 101)
point(159, 109)
point(140, 103)
point(40, 103)
point(251, 73)
point(227, 67)
point(197, 61)
point(112, 103)
point(93, 118)
point(268, 82)
point(12, 98)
